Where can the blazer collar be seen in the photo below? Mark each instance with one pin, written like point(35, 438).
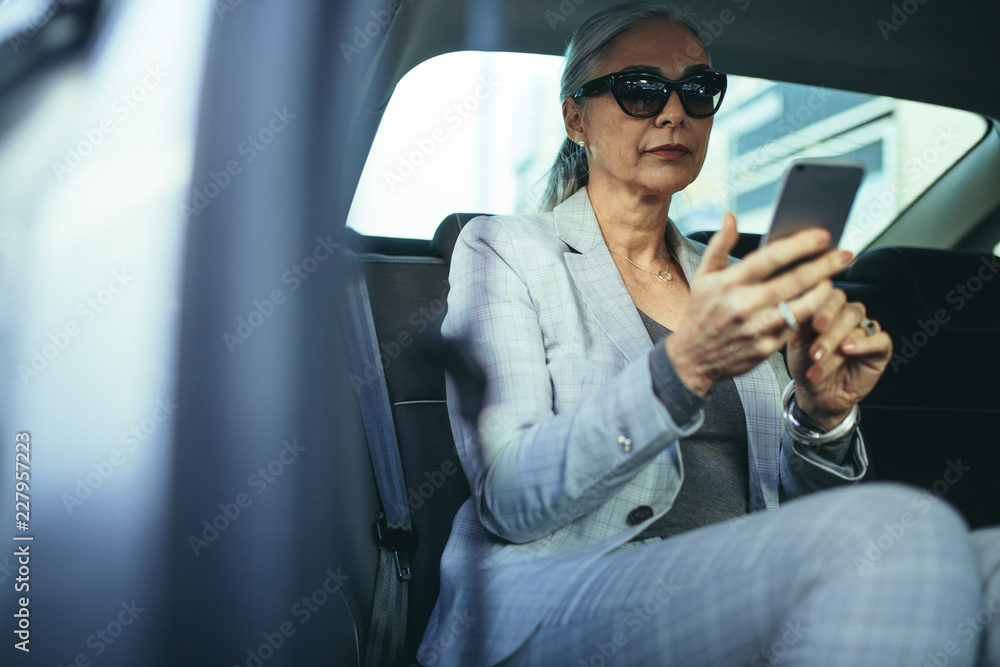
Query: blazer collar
point(576, 225)
point(597, 278)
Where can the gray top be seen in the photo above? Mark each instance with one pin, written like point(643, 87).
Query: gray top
point(716, 467)
point(716, 463)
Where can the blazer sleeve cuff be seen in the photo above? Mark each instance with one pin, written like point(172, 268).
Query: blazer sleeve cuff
point(682, 403)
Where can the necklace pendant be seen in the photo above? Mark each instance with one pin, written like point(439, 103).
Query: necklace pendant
point(664, 276)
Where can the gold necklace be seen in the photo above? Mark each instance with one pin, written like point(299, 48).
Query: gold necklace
point(663, 276)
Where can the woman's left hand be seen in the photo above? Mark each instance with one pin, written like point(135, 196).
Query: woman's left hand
point(834, 362)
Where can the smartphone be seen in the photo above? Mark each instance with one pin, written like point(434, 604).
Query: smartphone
point(816, 193)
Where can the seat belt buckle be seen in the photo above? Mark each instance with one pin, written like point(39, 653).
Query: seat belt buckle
point(398, 540)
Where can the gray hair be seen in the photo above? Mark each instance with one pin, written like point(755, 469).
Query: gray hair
point(585, 52)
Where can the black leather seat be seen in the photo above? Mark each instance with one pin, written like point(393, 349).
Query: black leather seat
point(932, 420)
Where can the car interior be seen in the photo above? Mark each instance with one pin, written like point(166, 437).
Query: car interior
point(292, 506)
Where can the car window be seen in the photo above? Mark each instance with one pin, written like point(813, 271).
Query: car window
point(477, 132)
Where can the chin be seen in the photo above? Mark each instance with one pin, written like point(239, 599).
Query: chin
point(668, 187)
point(671, 177)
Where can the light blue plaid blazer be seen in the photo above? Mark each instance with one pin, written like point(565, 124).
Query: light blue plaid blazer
point(572, 437)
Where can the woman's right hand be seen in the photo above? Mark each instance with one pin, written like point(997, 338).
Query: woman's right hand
point(732, 323)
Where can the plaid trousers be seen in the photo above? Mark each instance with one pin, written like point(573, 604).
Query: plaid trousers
point(876, 574)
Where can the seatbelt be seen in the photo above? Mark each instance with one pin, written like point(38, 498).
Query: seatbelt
point(393, 528)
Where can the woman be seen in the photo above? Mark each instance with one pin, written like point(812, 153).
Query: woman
point(614, 466)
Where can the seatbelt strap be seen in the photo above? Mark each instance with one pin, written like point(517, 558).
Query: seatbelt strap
point(393, 528)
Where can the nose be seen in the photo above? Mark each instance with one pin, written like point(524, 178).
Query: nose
point(673, 112)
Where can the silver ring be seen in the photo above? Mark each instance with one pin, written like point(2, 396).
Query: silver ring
point(789, 316)
point(870, 327)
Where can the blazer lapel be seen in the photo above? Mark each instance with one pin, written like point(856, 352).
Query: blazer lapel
point(597, 278)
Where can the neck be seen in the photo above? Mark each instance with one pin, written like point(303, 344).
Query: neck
point(632, 224)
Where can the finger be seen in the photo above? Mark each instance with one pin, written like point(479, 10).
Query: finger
point(812, 301)
point(807, 275)
point(795, 283)
point(761, 264)
point(720, 246)
point(843, 323)
point(825, 314)
point(877, 348)
point(859, 344)
point(856, 337)
point(803, 308)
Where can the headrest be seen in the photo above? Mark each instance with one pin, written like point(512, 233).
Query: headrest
point(447, 232)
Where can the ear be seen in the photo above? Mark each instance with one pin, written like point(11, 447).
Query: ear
point(573, 120)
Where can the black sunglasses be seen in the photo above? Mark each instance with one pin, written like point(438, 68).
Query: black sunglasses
point(642, 95)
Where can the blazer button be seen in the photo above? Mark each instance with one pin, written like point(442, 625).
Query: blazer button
point(639, 514)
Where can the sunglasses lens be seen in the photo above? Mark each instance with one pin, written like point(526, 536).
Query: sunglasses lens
point(701, 95)
point(641, 96)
